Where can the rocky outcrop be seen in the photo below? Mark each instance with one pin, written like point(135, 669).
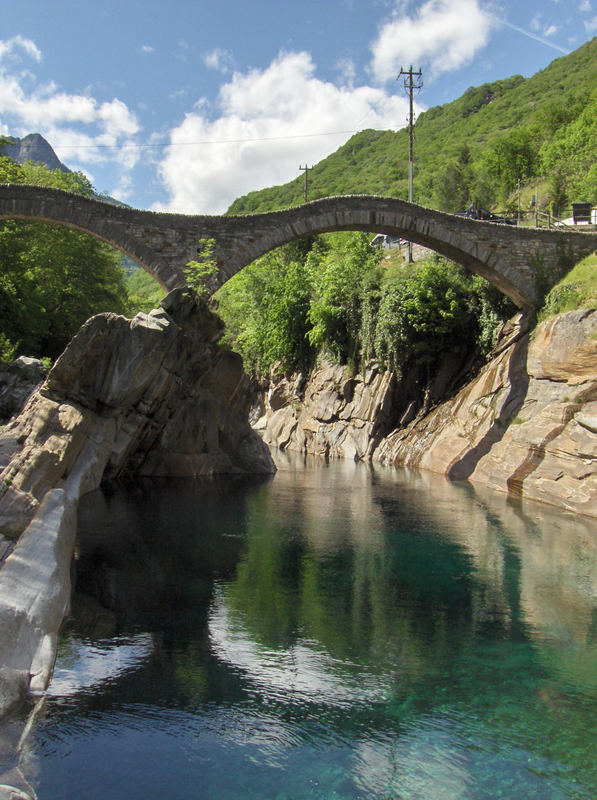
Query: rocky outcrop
point(33, 147)
point(17, 381)
point(335, 414)
point(525, 425)
point(149, 396)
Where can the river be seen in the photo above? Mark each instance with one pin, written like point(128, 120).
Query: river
point(334, 632)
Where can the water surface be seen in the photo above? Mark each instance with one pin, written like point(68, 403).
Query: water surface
point(335, 632)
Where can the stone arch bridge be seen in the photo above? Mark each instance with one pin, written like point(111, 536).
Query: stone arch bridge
point(522, 262)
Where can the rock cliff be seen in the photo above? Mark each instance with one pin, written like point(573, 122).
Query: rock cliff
point(334, 414)
point(149, 396)
point(525, 425)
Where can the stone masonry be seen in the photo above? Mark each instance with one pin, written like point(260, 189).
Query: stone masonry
point(522, 262)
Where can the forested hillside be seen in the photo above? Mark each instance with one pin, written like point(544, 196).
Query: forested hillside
point(334, 296)
point(542, 128)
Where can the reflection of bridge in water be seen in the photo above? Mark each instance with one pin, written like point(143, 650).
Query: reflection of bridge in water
point(521, 262)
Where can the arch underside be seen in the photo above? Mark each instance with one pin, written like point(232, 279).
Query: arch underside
point(485, 268)
point(139, 254)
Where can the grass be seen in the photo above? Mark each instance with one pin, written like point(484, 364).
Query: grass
point(578, 289)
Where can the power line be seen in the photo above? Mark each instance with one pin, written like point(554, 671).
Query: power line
point(134, 145)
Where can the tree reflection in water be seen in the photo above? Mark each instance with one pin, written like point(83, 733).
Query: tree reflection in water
point(371, 632)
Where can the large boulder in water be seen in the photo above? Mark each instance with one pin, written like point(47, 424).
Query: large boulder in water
point(150, 396)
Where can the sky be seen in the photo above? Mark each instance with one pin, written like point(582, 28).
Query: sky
point(183, 106)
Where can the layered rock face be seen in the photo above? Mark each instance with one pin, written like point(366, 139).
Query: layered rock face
point(149, 396)
point(334, 414)
point(526, 425)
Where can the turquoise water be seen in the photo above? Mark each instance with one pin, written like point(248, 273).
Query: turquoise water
point(336, 632)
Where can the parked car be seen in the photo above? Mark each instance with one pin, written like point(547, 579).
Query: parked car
point(385, 242)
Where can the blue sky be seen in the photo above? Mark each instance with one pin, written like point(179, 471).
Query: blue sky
point(184, 106)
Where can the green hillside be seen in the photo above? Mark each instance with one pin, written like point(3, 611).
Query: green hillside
point(475, 148)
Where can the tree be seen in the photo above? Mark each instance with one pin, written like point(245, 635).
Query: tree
point(455, 187)
point(434, 309)
point(52, 278)
point(338, 276)
point(512, 158)
point(265, 309)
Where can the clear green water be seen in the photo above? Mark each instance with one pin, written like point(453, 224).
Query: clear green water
point(332, 633)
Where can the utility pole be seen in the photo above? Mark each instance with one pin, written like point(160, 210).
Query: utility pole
point(306, 169)
point(413, 81)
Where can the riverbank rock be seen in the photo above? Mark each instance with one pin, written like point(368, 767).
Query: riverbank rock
point(526, 425)
point(335, 414)
point(150, 396)
point(17, 382)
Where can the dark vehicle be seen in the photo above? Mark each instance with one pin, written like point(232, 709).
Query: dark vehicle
point(487, 216)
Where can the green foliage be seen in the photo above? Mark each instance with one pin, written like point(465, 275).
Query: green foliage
point(578, 289)
point(8, 350)
point(512, 158)
point(339, 274)
point(570, 153)
point(338, 300)
point(143, 292)
point(197, 273)
point(41, 175)
point(52, 278)
point(265, 309)
point(432, 309)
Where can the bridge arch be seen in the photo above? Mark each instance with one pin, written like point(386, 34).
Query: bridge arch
point(520, 262)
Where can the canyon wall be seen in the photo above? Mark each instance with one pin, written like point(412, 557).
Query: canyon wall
point(525, 425)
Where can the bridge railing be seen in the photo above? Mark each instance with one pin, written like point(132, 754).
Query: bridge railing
point(546, 219)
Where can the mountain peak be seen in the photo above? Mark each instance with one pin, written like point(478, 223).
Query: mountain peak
point(33, 147)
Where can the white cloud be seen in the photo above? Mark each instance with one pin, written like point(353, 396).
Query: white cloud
point(551, 30)
point(442, 35)
point(585, 6)
point(29, 48)
point(82, 130)
point(270, 121)
point(591, 25)
point(347, 71)
point(218, 59)
point(146, 48)
point(117, 119)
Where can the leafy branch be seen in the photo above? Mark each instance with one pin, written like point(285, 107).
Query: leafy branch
point(197, 272)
